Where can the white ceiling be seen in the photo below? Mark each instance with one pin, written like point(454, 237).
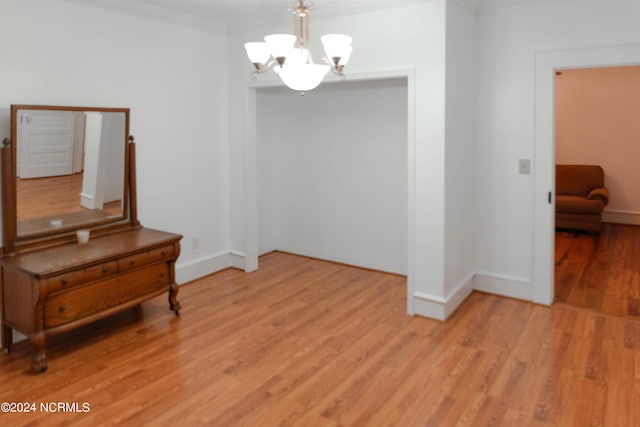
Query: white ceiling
point(232, 16)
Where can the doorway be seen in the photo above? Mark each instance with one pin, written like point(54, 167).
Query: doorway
point(547, 63)
point(596, 124)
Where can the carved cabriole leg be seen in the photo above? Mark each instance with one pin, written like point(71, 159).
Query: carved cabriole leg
point(173, 302)
point(173, 287)
point(7, 338)
point(39, 360)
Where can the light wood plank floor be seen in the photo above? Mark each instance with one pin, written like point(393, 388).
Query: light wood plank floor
point(600, 272)
point(56, 195)
point(310, 343)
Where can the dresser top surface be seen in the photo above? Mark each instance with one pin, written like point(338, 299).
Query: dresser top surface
point(72, 256)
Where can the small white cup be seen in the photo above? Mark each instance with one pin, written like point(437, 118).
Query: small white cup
point(83, 236)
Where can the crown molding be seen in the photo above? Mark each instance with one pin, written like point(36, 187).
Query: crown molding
point(494, 6)
point(236, 23)
point(236, 20)
point(490, 6)
point(156, 14)
point(471, 5)
point(318, 13)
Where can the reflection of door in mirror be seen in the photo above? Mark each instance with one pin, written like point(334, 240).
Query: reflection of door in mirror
point(46, 143)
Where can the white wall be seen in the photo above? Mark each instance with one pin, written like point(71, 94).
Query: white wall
point(62, 53)
point(332, 172)
point(507, 46)
point(460, 158)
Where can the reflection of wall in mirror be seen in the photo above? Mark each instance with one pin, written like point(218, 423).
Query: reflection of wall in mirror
point(103, 178)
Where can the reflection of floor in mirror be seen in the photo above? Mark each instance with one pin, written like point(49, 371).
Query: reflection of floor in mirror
point(41, 197)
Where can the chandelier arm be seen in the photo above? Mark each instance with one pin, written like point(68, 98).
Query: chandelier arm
point(338, 71)
point(263, 68)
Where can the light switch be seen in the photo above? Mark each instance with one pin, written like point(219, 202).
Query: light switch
point(525, 167)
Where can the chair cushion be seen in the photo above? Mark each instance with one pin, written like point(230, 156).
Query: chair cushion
point(578, 204)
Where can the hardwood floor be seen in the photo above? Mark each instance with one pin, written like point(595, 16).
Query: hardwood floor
point(311, 343)
point(41, 197)
point(600, 272)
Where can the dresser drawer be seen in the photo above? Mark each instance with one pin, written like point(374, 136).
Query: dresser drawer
point(86, 275)
point(146, 257)
point(84, 301)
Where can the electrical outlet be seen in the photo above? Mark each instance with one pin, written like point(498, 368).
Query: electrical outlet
point(524, 167)
point(195, 242)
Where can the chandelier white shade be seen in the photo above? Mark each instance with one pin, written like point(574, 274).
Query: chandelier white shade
point(290, 57)
point(337, 46)
point(303, 77)
point(258, 53)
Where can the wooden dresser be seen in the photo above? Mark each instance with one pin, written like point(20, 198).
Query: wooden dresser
point(52, 280)
point(60, 288)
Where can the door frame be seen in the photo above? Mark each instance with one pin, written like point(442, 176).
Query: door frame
point(546, 64)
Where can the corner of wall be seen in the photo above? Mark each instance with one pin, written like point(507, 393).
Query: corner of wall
point(440, 308)
point(203, 266)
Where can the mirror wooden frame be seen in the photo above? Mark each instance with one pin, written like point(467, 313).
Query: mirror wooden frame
point(12, 243)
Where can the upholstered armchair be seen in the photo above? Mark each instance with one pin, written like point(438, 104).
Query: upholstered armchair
point(580, 197)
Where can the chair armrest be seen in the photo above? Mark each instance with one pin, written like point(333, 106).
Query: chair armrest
point(600, 193)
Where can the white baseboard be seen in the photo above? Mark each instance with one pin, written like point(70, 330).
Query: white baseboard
point(504, 285)
point(621, 217)
point(200, 267)
point(238, 260)
point(439, 308)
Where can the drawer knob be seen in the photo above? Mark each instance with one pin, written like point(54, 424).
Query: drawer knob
point(132, 262)
point(62, 308)
point(65, 281)
point(164, 253)
point(105, 269)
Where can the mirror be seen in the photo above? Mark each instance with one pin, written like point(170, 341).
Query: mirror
point(69, 170)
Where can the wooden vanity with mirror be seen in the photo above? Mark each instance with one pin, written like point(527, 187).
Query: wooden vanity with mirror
point(69, 172)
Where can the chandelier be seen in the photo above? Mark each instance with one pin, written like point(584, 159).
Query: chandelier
point(292, 60)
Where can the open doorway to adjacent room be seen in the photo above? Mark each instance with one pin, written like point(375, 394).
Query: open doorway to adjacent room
point(596, 124)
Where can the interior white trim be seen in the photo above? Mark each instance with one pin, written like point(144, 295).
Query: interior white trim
point(621, 217)
point(238, 260)
point(504, 285)
point(233, 18)
point(250, 167)
point(430, 306)
point(547, 62)
point(203, 266)
point(250, 158)
point(441, 308)
point(156, 13)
